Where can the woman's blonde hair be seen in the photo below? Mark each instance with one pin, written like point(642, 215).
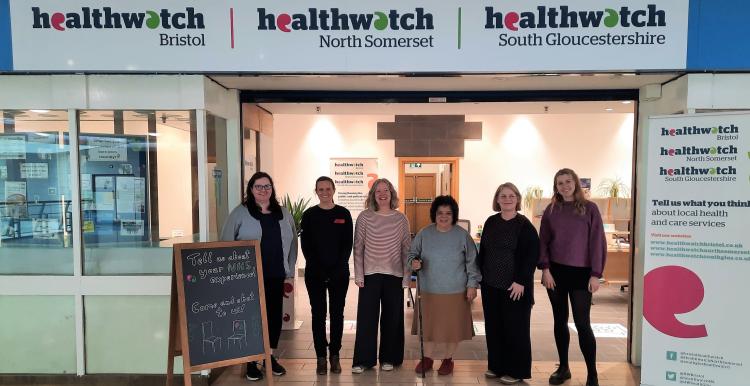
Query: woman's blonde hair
point(511, 186)
point(372, 204)
point(579, 200)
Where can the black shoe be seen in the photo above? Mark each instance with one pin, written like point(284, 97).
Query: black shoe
point(335, 365)
point(322, 367)
point(276, 367)
point(253, 373)
point(560, 375)
point(592, 380)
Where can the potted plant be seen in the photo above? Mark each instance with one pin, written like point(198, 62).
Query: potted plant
point(614, 189)
point(532, 193)
point(296, 209)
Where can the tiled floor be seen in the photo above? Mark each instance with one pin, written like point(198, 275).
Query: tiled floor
point(610, 306)
point(298, 355)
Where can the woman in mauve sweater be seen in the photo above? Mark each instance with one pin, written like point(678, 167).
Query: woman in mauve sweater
point(381, 242)
point(572, 254)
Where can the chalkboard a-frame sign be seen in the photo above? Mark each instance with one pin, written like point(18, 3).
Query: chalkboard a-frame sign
point(218, 310)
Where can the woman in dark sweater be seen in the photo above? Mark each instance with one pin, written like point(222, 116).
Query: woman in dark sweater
point(327, 244)
point(572, 256)
point(508, 254)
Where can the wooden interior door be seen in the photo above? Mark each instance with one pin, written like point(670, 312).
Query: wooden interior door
point(419, 192)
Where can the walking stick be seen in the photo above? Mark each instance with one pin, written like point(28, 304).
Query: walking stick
point(419, 313)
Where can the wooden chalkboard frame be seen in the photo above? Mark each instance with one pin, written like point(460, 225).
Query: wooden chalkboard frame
point(178, 329)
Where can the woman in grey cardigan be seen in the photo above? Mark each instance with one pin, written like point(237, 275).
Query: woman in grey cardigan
point(445, 256)
point(261, 217)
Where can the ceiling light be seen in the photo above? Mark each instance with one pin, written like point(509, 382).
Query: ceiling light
point(627, 102)
point(608, 109)
point(39, 111)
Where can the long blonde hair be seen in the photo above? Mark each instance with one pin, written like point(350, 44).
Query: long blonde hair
point(371, 202)
point(579, 201)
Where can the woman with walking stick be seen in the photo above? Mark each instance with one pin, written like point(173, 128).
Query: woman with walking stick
point(444, 255)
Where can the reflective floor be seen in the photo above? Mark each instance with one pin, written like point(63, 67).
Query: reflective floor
point(610, 310)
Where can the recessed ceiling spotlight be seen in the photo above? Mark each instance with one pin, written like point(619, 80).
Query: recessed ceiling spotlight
point(608, 109)
point(627, 102)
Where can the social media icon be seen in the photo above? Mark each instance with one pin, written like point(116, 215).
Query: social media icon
point(671, 376)
point(671, 355)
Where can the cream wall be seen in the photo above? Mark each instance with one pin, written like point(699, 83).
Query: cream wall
point(524, 149)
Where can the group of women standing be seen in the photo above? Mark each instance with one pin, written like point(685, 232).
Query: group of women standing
point(570, 250)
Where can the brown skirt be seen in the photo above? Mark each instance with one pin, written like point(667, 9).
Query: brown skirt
point(446, 318)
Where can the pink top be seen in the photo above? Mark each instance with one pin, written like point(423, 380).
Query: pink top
point(381, 242)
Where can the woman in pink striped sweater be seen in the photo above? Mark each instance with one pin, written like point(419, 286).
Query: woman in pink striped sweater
point(381, 243)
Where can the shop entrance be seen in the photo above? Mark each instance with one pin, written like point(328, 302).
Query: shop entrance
point(520, 142)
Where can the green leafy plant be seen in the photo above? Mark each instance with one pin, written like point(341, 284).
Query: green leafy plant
point(533, 192)
point(296, 209)
point(613, 188)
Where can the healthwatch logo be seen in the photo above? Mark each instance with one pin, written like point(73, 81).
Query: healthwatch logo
point(106, 18)
point(333, 19)
point(730, 132)
point(565, 17)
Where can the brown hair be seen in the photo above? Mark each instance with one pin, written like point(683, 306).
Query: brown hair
point(579, 201)
point(511, 186)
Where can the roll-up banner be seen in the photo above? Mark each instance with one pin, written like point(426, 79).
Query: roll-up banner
point(697, 248)
point(330, 36)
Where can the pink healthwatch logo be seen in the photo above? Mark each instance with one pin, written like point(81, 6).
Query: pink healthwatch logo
point(669, 291)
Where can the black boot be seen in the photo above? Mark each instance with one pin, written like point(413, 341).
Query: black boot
point(322, 367)
point(592, 380)
point(560, 375)
point(335, 364)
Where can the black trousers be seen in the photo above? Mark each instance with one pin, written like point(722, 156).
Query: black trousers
point(508, 332)
point(336, 287)
point(380, 292)
point(274, 288)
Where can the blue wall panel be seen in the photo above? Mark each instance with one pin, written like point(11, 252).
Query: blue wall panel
point(6, 44)
point(719, 35)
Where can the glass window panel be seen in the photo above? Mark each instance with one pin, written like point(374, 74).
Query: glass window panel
point(37, 335)
point(136, 189)
point(127, 334)
point(35, 196)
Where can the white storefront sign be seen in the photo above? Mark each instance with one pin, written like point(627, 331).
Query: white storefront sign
point(353, 177)
point(697, 251)
point(331, 36)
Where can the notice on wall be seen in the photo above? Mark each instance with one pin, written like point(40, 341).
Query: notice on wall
point(12, 147)
point(15, 191)
point(353, 177)
point(131, 228)
point(697, 253)
point(34, 170)
point(3, 172)
point(131, 194)
point(108, 149)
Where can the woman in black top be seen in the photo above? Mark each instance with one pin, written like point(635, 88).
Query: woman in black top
point(327, 244)
point(508, 253)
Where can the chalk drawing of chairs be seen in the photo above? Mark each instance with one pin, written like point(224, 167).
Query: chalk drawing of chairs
point(207, 328)
point(239, 334)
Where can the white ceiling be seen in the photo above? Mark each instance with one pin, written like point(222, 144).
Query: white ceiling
point(484, 108)
point(488, 82)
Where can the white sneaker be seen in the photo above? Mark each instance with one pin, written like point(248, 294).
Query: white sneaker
point(386, 367)
point(490, 374)
point(508, 380)
point(358, 369)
